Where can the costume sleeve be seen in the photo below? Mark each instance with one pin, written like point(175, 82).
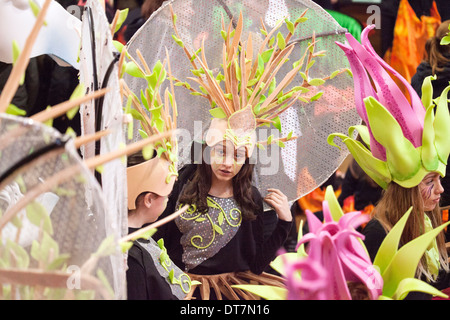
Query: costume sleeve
point(267, 250)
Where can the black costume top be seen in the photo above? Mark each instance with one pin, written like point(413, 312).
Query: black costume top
point(247, 250)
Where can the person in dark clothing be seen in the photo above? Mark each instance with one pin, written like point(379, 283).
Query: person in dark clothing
point(139, 12)
point(436, 63)
point(27, 94)
point(222, 235)
point(408, 180)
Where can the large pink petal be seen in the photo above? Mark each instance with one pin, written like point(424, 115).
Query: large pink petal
point(314, 223)
point(359, 269)
point(363, 89)
point(416, 102)
point(338, 289)
point(312, 284)
point(389, 94)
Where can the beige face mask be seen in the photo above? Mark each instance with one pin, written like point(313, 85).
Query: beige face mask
point(150, 176)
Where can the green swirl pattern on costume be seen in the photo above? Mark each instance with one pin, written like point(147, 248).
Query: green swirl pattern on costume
point(233, 218)
point(183, 280)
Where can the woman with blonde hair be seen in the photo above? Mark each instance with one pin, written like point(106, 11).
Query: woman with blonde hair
point(426, 214)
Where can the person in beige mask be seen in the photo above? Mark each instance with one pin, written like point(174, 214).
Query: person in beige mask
point(151, 274)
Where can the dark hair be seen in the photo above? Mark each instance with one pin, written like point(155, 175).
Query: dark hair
point(150, 6)
point(435, 52)
point(196, 190)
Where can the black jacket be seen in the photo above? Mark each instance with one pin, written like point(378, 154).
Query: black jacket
point(423, 71)
point(144, 282)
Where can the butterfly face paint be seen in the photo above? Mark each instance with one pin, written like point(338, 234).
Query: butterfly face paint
point(430, 189)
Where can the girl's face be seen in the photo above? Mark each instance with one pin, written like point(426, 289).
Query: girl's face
point(226, 160)
point(430, 188)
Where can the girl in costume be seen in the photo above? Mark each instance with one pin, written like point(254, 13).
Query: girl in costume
point(407, 155)
point(332, 263)
point(220, 239)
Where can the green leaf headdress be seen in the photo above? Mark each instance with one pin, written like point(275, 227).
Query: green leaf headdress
point(245, 93)
point(156, 114)
point(405, 140)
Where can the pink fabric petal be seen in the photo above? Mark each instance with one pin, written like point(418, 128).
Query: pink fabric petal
point(314, 223)
point(363, 89)
point(389, 94)
point(335, 256)
point(353, 219)
point(416, 102)
point(359, 269)
point(312, 284)
point(337, 287)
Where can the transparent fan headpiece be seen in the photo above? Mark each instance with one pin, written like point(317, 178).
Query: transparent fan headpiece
point(55, 239)
point(296, 167)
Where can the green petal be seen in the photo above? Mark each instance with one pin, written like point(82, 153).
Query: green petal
point(442, 127)
point(279, 262)
point(363, 132)
point(404, 263)
point(427, 92)
point(133, 70)
point(122, 16)
point(265, 292)
point(389, 246)
point(333, 204)
point(411, 284)
point(429, 155)
point(402, 157)
point(375, 168)
point(301, 249)
point(218, 113)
